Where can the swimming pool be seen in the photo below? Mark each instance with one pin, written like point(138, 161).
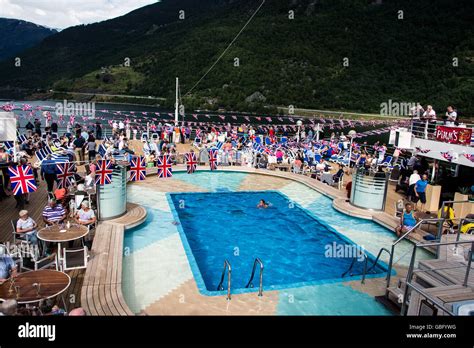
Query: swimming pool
point(161, 274)
point(296, 248)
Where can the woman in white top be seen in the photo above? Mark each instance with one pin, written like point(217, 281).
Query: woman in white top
point(27, 225)
point(85, 216)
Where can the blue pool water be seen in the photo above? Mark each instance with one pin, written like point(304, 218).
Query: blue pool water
point(295, 246)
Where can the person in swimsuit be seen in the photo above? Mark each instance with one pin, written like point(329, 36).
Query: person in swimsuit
point(262, 204)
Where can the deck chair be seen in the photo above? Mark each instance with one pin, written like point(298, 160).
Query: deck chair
point(338, 180)
point(74, 258)
point(32, 261)
point(155, 136)
point(144, 137)
point(268, 141)
point(387, 161)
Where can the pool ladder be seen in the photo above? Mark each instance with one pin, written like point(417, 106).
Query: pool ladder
point(366, 260)
point(220, 287)
point(250, 284)
point(228, 269)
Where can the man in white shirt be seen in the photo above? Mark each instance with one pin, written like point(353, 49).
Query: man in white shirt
point(429, 116)
point(121, 126)
point(414, 178)
point(451, 116)
point(114, 127)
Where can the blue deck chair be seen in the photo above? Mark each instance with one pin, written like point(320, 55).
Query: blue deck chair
point(387, 161)
point(258, 140)
point(268, 141)
point(283, 140)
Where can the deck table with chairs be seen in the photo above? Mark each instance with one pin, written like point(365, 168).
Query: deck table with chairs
point(35, 286)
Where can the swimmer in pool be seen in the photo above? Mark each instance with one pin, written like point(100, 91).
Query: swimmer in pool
point(262, 204)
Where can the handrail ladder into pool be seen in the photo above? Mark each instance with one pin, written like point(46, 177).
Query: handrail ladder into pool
point(227, 267)
point(250, 284)
point(366, 260)
point(411, 272)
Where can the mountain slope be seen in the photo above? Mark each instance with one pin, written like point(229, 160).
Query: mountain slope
point(17, 35)
point(297, 62)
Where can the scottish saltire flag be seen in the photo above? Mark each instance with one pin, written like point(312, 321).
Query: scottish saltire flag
point(164, 166)
point(102, 150)
point(213, 158)
point(191, 162)
point(103, 174)
point(22, 179)
point(65, 176)
point(219, 145)
point(137, 168)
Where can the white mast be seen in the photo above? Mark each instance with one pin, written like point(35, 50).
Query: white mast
point(177, 104)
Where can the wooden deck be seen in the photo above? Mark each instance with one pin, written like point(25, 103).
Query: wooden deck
point(102, 287)
point(38, 201)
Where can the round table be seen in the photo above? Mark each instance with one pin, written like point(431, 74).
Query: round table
point(61, 234)
point(51, 284)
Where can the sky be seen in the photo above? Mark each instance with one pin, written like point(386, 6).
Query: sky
point(60, 14)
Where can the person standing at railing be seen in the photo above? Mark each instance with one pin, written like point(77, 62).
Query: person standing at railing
point(451, 116)
point(429, 116)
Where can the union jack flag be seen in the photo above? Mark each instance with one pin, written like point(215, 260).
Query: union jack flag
point(103, 174)
point(213, 158)
point(447, 156)
point(22, 179)
point(191, 162)
point(66, 174)
point(137, 169)
point(165, 169)
point(469, 156)
point(419, 149)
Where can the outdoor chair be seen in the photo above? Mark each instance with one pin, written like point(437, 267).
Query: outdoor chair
point(74, 258)
point(32, 261)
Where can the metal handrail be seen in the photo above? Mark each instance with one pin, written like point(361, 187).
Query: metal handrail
point(352, 265)
point(250, 284)
point(392, 252)
point(377, 258)
point(227, 267)
point(411, 271)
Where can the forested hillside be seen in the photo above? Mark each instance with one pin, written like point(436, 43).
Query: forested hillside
point(427, 56)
